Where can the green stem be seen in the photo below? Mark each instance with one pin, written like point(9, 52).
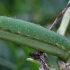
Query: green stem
point(33, 43)
point(7, 64)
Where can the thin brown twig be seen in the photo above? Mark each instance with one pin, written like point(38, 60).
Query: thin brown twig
point(59, 16)
point(44, 66)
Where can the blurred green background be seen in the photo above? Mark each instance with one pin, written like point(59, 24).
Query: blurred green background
point(41, 12)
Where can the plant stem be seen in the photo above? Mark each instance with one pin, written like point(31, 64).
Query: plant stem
point(7, 64)
point(65, 22)
point(59, 16)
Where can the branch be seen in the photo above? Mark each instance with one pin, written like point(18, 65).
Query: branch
point(65, 22)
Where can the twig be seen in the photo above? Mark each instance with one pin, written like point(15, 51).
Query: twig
point(65, 22)
point(40, 55)
point(44, 66)
point(59, 16)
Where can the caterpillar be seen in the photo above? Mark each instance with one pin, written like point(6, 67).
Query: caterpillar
point(32, 30)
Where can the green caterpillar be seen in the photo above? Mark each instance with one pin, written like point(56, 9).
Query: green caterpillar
point(32, 30)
